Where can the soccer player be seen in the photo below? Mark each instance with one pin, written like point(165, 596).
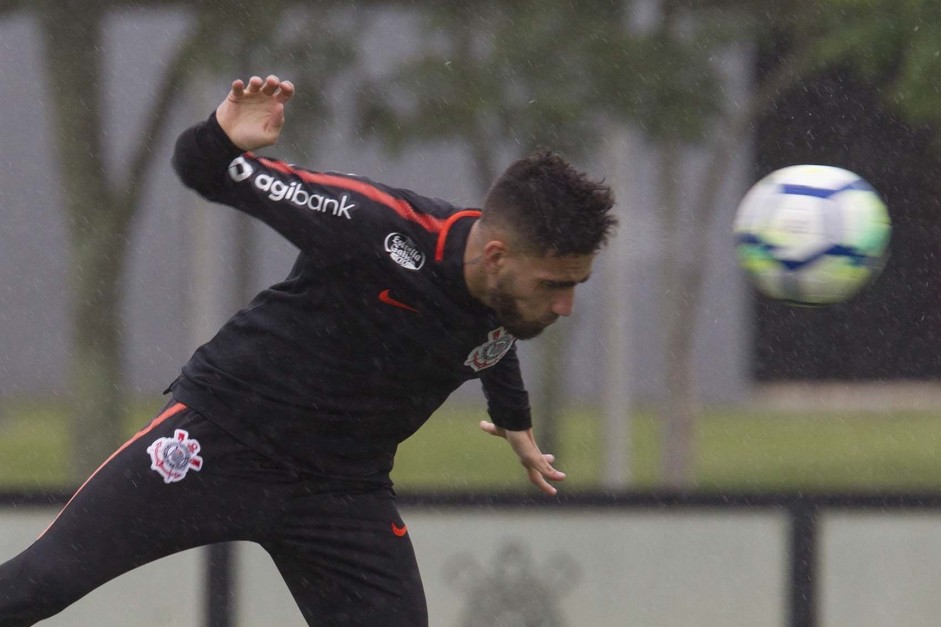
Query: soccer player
point(283, 427)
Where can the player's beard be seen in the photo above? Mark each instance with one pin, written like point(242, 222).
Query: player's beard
point(504, 304)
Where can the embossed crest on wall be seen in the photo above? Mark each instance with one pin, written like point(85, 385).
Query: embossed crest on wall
point(513, 590)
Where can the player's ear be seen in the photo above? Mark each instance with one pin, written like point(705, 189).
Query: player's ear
point(495, 254)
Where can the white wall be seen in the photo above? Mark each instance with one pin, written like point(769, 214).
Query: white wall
point(585, 567)
point(601, 567)
point(880, 569)
point(588, 567)
point(167, 593)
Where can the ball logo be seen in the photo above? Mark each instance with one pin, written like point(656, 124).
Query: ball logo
point(174, 457)
point(499, 341)
point(404, 251)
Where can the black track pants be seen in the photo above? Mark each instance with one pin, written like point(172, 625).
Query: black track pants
point(181, 483)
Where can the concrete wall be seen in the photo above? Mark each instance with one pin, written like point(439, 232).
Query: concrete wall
point(161, 594)
point(605, 567)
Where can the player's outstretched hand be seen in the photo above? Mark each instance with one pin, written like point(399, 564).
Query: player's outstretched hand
point(252, 115)
point(537, 463)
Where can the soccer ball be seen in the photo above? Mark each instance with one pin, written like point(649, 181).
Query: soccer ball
point(811, 234)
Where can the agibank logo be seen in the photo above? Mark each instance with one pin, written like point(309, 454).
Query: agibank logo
point(293, 192)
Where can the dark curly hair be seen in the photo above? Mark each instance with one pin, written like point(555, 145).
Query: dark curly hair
point(550, 207)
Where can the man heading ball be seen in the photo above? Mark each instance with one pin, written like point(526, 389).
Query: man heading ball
point(282, 429)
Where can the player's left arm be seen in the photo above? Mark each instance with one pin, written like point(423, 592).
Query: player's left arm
point(508, 405)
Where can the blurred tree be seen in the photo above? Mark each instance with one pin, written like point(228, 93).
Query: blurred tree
point(99, 211)
point(869, 38)
point(895, 43)
point(499, 77)
point(719, 24)
point(713, 27)
point(101, 206)
point(504, 77)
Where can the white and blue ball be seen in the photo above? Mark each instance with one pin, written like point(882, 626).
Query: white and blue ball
point(811, 234)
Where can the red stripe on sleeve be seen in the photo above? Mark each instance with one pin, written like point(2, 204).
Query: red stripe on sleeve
point(400, 206)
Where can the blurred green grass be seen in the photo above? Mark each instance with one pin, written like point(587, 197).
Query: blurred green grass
point(737, 450)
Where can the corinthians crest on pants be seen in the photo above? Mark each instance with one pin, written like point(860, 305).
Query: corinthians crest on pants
point(174, 457)
point(499, 341)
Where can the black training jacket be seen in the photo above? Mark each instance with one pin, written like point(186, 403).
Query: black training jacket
point(370, 332)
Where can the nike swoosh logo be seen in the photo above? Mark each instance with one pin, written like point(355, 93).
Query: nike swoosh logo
point(385, 297)
point(399, 531)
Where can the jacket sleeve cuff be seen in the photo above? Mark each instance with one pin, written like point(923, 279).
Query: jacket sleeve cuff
point(212, 140)
point(511, 419)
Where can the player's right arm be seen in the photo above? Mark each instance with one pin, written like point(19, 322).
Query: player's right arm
point(320, 213)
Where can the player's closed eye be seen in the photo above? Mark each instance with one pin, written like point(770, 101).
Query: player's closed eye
point(556, 285)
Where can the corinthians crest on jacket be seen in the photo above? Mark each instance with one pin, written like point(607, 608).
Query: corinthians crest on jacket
point(174, 457)
point(499, 341)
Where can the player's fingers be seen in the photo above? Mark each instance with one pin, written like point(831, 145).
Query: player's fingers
point(254, 85)
point(543, 465)
point(540, 461)
point(286, 91)
point(238, 87)
point(492, 429)
point(270, 85)
point(540, 482)
point(551, 473)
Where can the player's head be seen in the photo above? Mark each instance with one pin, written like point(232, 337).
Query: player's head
point(543, 222)
point(549, 208)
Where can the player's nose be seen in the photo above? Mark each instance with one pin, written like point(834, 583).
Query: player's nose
point(564, 303)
